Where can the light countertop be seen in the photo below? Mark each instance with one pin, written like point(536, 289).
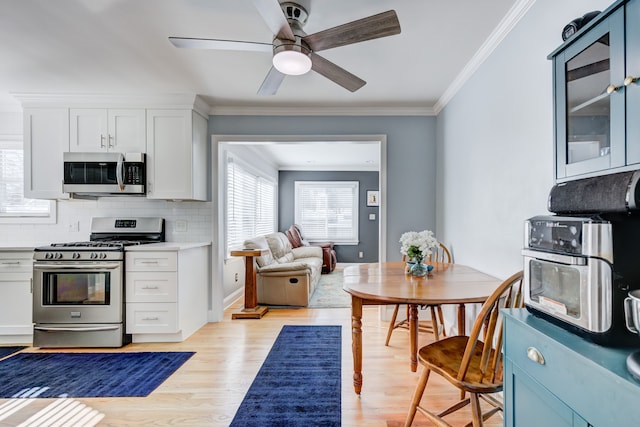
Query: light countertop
point(166, 246)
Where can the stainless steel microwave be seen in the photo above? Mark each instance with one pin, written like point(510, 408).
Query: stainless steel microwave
point(104, 174)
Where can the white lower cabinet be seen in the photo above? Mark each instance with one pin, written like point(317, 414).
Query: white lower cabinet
point(166, 293)
point(16, 307)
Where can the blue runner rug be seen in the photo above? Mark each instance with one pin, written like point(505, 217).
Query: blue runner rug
point(87, 374)
point(5, 351)
point(298, 383)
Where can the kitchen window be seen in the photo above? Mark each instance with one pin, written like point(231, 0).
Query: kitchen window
point(328, 210)
point(251, 203)
point(14, 207)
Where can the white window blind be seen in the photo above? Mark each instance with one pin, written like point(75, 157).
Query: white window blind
point(13, 205)
point(251, 204)
point(327, 210)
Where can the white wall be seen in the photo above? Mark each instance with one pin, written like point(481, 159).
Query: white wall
point(495, 143)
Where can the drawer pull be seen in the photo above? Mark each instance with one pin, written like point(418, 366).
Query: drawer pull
point(149, 262)
point(151, 318)
point(535, 355)
point(11, 263)
point(150, 287)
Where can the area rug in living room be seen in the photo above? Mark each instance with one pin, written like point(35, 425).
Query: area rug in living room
point(299, 381)
point(120, 374)
point(329, 292)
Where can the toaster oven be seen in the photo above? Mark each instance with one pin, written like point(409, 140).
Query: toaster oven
point(578, 270)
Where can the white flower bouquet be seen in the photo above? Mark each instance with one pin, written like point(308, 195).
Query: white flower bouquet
point(418, 245)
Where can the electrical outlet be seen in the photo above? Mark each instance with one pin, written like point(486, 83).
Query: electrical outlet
point(360, 254)
point(73, 226)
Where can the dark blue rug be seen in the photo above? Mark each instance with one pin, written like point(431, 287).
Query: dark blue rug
point(87, 374)
point(298, 383)
point(5, 351)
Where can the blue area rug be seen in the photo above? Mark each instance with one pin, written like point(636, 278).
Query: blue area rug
point(5, 351)
point(87, 374)
point(298, 383)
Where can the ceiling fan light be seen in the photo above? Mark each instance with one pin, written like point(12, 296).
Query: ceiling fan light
point(292, 62)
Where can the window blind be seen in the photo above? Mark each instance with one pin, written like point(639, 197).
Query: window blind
point(12, 201)
point(327, 210)
point(251, 204)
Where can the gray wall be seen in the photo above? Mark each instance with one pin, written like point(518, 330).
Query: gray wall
point(495, 143)
point(367, 230)
point(411, 159)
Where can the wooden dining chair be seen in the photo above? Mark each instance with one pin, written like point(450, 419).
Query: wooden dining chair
point(471, 363)
point(442, 255)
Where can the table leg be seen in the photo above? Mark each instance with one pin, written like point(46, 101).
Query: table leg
point(413, 333)
point(356, 342)
point(461, 320)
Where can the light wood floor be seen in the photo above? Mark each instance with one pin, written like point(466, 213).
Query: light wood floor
point(208, 388)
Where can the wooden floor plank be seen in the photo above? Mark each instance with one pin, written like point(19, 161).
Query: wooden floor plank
point(209, 387)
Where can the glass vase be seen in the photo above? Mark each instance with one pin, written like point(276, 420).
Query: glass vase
point(418, 268)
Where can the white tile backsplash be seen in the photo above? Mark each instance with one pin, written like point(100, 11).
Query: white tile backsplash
point(196, 215)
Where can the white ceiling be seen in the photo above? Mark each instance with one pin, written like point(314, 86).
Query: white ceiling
point(121, 47)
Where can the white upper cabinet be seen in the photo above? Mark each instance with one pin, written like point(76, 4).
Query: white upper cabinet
point(107, 130)
point(46, 137)
point(176, 155)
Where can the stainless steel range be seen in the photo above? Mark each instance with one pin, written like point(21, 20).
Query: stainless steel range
point(78, 287)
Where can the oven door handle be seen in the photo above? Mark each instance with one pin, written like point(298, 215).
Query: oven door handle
point(558, 258)
point(89, 329)
point(49, 267)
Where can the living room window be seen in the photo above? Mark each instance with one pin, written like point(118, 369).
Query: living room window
point(251, 203)
point(328, 210)
point(14, 207)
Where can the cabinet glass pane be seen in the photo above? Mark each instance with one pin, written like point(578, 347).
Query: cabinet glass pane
point(588, 105)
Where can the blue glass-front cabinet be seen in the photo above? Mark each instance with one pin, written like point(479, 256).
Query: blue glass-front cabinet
point(596, 95)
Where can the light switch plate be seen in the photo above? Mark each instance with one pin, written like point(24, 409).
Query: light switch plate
point(181, 226)
point(372, 217)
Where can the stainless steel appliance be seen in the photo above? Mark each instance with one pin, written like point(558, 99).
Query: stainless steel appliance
point(78, 287)
point(578, 271)
point(104, 174)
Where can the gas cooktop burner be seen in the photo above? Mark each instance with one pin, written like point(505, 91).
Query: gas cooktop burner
point(98, 244)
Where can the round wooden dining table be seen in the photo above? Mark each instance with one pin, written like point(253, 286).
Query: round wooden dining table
point(387, 283)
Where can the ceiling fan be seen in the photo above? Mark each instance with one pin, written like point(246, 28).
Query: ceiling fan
point(294, 52)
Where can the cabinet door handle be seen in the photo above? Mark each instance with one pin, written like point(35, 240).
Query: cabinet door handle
point(102, 144)
point(629, 80)
point(110, 141)
point(613, 88)
point(535, 355)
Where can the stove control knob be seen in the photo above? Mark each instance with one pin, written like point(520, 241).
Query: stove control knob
point(75, 255)
point(103, 255)
point(94, 255)
point(48, 255)
point(58, 255)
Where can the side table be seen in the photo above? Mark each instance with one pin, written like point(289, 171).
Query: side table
point(251, 308)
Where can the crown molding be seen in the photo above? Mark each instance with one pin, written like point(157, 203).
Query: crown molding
point(511, 19)
point(88, 100)
point(222, 110)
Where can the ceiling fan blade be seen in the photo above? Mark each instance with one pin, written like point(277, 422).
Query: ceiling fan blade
point(271, 83)
point(272, 14)
point(192, 43)
point(381, 25)
point(335, 73)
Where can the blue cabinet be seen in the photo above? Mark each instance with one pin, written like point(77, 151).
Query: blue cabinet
point(597, 99)
point(553, 377)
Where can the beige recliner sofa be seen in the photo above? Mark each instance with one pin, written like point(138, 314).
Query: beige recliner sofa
point(285, 275)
